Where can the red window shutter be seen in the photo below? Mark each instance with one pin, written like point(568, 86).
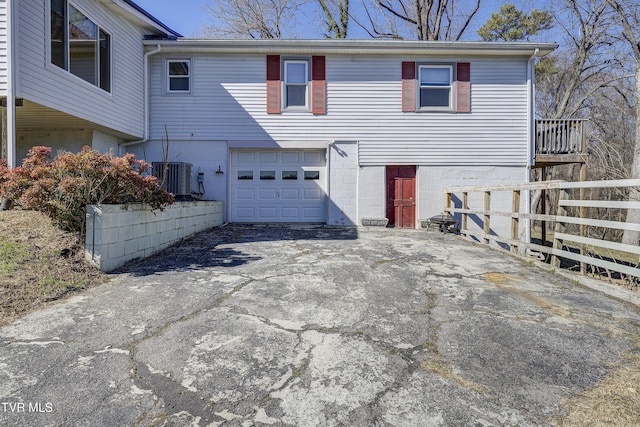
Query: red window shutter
point(408, 86)
point(318, 85)
point(463, 87)
point(273, 84)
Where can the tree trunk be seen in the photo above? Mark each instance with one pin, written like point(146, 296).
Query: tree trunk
point(633, 215)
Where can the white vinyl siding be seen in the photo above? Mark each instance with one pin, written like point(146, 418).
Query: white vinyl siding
point(3, 48)
point(363, 104)
point(41, 82)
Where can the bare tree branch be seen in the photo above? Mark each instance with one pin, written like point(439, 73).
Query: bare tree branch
point(342, 9)
point(257, 19)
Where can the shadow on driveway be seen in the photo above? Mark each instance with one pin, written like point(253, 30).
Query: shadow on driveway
point(212, 248)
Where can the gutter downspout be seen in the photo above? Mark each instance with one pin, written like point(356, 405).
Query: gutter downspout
point(531, 113)
point(145, 135)
point(11, 86)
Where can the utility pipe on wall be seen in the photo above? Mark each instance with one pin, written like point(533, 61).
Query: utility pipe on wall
point(11, 84)
point(145, 135)
point(531, 119)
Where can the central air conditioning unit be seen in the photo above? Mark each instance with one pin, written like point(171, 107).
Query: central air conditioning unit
point(178, 179)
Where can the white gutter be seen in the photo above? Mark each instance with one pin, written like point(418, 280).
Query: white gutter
point(145, 135)
point(531, 121)
point(11, 85)
point(354, 47)
point(531, 107)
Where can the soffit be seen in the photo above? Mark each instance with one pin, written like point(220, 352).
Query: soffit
point(35, 117)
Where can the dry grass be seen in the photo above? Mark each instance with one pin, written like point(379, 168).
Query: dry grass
point(38, 263)
point(615, 401)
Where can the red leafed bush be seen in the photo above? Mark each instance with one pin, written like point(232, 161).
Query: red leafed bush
point(4, 173)
point(62, 187)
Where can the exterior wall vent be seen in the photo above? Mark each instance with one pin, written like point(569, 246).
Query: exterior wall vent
point(178, 180)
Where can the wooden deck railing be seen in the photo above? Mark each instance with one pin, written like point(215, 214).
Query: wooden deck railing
point(560, 136)
point(570, 211)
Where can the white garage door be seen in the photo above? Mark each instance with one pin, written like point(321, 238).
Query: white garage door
point(278, 186)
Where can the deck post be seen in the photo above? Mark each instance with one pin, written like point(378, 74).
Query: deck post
point(543, 208)
point(582, 213)
point(559, 228)
point(465, 206)
point(487, 216)
point(515, 219)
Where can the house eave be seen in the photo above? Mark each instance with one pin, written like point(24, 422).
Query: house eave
point(356, 47)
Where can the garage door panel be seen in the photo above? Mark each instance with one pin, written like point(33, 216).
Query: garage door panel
point(245, 157)
point(268, 157)
point(267, 194)
point(245, 213)
point(290, 194)
point(245, 194)
point(293, 192)
point(267, 213)
point(314, 158)
point(291, 213)
point(312, 194)
point(290, 157)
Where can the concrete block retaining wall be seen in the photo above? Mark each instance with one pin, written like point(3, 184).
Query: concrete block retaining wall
point(120, 233)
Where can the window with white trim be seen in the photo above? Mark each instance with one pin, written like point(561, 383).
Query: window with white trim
point(296, 79)
point(79, 46)
point(178, 75)
point(436, 86)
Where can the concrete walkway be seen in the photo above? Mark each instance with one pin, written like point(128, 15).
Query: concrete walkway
point(262, 325)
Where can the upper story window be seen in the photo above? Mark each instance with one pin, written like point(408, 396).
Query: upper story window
point(296, 77)
point(179, 75)
point(79, 45)
point(436, 83)
point(296, 84)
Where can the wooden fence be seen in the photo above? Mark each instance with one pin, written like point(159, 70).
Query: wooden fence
point(577, 247)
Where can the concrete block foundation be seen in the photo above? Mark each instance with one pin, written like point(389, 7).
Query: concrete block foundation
point(117, 234)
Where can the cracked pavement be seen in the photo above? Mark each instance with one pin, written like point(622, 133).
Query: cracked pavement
point(314, 325)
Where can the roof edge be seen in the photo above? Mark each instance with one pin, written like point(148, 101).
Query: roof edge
point(149, 18)
point(355, 46)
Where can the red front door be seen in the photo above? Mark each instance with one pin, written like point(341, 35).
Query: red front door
point(401, 196)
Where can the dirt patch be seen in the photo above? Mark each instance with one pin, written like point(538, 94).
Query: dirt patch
point(39, 263)
point(615, 401)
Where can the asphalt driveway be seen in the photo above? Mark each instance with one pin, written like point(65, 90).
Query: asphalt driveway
point(263, 325)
